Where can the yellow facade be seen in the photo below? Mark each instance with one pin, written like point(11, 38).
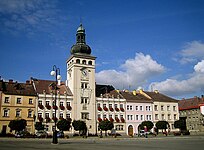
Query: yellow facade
point(17, 107)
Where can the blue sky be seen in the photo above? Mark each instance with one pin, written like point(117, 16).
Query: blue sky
point(138, 44)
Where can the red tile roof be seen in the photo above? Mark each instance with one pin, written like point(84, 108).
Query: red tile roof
point(158, 97)
point(191, 103)
point(45, 86)
point(15, 88)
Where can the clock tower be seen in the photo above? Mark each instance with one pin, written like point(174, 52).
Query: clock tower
point(81, 81)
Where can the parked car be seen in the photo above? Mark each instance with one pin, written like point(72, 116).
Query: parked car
point(41, 134)
point(23, 134)
point(141, 133)
point(60, 134)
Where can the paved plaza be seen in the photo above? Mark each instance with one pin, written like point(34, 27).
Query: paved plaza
point(157, 143)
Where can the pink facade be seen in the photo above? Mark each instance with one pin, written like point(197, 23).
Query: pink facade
point(136, 113)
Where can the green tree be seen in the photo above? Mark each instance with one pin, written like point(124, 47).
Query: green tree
point(148, 124)
point(79, 125)
point(17, 125)
point(63, 125)
point(162, 125)
point(39, 126)
point(105, 125)
point(181, 124)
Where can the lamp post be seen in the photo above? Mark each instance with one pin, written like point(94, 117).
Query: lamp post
point(56, 73)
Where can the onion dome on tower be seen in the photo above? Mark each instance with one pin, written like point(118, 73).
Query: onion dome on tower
point(80, 46)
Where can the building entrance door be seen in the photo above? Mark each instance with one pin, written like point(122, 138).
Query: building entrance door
point(130, 130)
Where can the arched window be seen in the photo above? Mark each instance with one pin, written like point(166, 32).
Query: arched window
point(90, 62)
point(78, 61)
point(84, 62)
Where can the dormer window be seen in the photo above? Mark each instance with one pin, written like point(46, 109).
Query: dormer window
point(84, 62)
point(78, 61)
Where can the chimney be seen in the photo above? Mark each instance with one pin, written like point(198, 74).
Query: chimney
point(10, 81)
point(156, 91)
point(134, 92)
point(27, 82)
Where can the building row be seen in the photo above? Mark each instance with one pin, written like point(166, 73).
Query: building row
point(80, 98)
point(34, 102)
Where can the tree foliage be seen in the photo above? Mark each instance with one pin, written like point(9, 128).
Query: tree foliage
point(79, 125)
point(162, 125)
point(181, 124)
point(148, 124)
point(63, 125)
point(39, 126)
point(105, 125)
point(17, 125)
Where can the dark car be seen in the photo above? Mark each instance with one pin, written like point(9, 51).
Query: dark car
point(41, 134)
point(23, 134)
point(60, 134)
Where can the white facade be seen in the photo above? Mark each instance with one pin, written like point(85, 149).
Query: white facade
point(81, 81)
point(45, 110)
point(167, 111)
point(113, 109)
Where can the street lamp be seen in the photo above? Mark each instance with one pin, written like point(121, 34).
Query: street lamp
point(56, 73)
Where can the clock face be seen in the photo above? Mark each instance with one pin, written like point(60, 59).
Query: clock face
point(84, 73)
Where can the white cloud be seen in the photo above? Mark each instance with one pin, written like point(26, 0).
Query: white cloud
point(199, 67)
point(192, 52)
point(135, 72)
point(181, 87)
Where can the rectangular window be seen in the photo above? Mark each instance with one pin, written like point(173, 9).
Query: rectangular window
point(30, 101)
point(18, 101)
point(61, 115)
point(98, 105)
point(155, 108)
point(99, 115)
point(169, 117)
point(104, 116)
point(136, 107)
point(121, 105)
point(47, 103)
point(119, 127)
point(6, 100)
point(68, 116)
point(129, 117)
point(168, 108)
point(39, 115)
point(141, 117)
point(18, 113)
point(116, 105)
point(110, 116)
point(156, 117)
point(141, 108)
point(130, 107)
point(148, 108)
point(84, 115)
point(39, 102)
point(104, 105)
point(47, 115)
point(68, 103)
point(6, 113)
point(136, 117)
point(61, 103)
point(162, 108)
point(174, 108)
point(163, 118)
point(175, 117)
point(29, 113)
point(110, 105)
